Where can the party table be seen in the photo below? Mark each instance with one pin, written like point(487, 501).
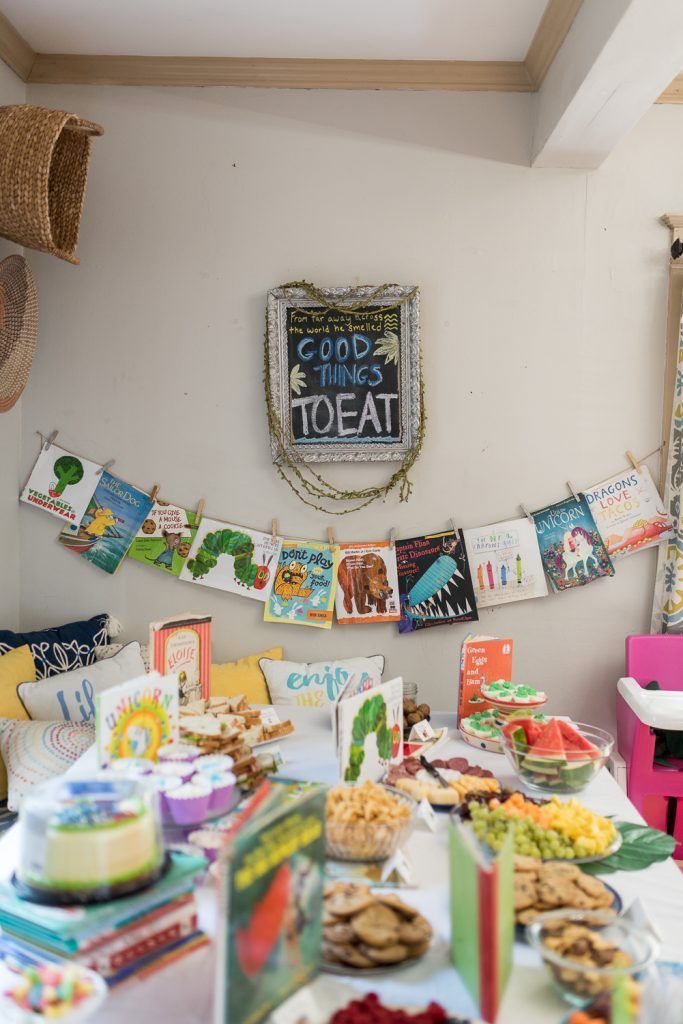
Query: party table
point(182, 993)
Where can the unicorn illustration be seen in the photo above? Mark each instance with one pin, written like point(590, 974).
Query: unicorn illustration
point(577, 545)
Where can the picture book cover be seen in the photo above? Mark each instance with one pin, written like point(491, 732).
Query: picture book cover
point(303, 589)
point(505, 562)
point(115, 513)
point(181, 646)
point(165, 537)
point(482, 916)
point(233, 558)
point(269, 934)
point(135, 718)
point(483, 659)
point(629, 513)
point(369, 731)
point(434, 581)
point(571, 546)
point(367, 584)
point(61, 484)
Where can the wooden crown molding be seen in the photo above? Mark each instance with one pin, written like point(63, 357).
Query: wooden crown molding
point(552, 30)
point(14, 49)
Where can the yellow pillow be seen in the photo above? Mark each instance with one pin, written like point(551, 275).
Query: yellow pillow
point(15, 667)
point(243, 676)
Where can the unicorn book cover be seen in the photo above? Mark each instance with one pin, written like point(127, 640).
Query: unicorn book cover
point(303, 589)
point(135, 718)
point(570, 544)
point(434, 581)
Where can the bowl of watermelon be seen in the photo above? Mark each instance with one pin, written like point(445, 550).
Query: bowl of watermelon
point(555, 756)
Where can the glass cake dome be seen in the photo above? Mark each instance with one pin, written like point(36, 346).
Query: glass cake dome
point(85, 840)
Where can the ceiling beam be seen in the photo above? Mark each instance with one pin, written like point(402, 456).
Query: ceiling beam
point(281, 73)
point(673, 92)
point(557, 19)
point(14, 49)
point(612, 66)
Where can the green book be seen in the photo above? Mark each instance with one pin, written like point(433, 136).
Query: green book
point(482, 916)
point(271, 903)
point(165, 537)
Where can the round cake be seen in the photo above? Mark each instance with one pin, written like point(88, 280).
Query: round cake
point(90, 839)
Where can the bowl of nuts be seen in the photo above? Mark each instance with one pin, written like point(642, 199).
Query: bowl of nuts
point(413, 714)
point(367, 821)
point(585, 951)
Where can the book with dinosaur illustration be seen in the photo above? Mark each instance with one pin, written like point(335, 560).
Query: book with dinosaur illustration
point(434, 581)
point(232, 558)
point(367, 584)
point(505, 562)
point(135, 718)
point(483, 659)
point(181, 646)
point(629, 513)
point(165, 537)
point(269, 935)
point(303, 588)
point(570, 544)
point(115, 513)
point(61, 484)
point(368, 729)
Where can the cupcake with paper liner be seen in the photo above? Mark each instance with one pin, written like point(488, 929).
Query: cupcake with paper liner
point(132, 767)
point(189, 803)
point(222, 789)
point(178, 752)
point(213, 763)
point(165, 784)
point(209, 842)
point(175, 769)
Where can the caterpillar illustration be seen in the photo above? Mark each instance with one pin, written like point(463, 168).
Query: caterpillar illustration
point(241, 547)
point(371, 718)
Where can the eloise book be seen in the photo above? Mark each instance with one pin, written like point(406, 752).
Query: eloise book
point(61, 484)
point(505, 562)
point(233, 558)
point(181, 646)
point(483, 659)
point(115, 513)
point(135, 718)
point(270, 907)
point(165, 537)
point(367, 584)
point(570, 544)
point(434, 581)
point(628, 512)
point(303, 589)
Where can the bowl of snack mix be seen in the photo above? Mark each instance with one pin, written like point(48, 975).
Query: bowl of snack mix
point(367, 821)
point(585, 951)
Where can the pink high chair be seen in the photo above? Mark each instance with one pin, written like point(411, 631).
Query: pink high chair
point(651, 787)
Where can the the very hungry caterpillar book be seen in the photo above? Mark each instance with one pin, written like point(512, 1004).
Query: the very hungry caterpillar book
point(135, 718)
point(303, 589)
point(233, 558)
point(570, 544)
point(368, 727)
point(628, 512)
point(165, 537)
point(181, 646)
point(114, 515)
point(61, 484)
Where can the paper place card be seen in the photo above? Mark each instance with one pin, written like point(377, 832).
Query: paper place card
point(301, 1008)
point(399, 863)
point(427, 814)
point(421, 732)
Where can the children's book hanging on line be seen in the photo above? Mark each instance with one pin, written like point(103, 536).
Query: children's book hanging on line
point(367, 584)
point(505, 562)
point(303, 589)
point(434, 581)
point(570, 543)
point(233, 558)
point(61, 484)
point(628, 512)
point(165, 537)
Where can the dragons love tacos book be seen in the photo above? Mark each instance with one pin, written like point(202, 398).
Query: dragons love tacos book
point(61, 484)
point(628, 512)
point(434, 581)
point(505, 562)
point(303, 589)
point(165, 537)
point(367, 584)
point(114, 515)
point(570, 544)
point(232, 558)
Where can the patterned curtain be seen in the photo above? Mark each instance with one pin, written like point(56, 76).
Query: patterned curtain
point(667, 609)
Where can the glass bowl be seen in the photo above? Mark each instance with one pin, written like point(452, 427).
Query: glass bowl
point(581, 981)
point(370, 840)
point(15, 956)
point(553, 773)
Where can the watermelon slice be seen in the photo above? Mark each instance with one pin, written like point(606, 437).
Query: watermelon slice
point(549, 742)
point(532, 729)
point(576, 746)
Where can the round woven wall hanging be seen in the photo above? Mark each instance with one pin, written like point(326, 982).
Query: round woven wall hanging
point(43, 170)
point(18, 328)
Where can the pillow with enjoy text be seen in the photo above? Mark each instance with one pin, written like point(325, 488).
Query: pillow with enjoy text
point(318, 684)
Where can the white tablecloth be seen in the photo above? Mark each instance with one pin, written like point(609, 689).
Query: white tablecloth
point(183, 992)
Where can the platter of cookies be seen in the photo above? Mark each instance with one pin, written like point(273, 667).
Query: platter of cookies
point(540, 886)
point(367, 933)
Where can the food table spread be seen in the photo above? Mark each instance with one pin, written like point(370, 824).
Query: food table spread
point(182, 993)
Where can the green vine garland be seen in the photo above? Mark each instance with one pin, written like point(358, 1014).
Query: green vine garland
point(304, 481)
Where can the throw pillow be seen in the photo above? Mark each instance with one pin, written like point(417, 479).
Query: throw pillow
point(107, 650)
point(320, 683)
point(61, 648)
point(15, 667)
point(37, 751)
point(70, 697)
point(243, 676)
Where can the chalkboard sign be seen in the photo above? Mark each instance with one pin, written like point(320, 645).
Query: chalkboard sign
point(345, 383)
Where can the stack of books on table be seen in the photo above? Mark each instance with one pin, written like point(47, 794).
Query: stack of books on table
point(135, 935)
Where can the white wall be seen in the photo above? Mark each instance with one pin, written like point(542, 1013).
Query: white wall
point(543, 302)
point(12, 90)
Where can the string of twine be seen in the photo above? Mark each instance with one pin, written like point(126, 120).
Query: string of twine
point(308, 485)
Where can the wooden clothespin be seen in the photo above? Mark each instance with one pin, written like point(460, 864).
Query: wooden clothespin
point(392, 537)
point(50, 440)
point(155, 491)
point(454, 528)
point(107, 465)
point(273, 529)
point(330, 535)
point(573, 492)
point(199, 512)
point(633, 460)
point(527, 513)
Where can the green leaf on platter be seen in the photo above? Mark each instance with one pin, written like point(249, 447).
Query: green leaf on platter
point(640, 847)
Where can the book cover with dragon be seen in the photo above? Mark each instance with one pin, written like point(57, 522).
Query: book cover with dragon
point(570, 544)
point(269, 935)
point(61, 483)
point(367, 584)
point(629, 513)
point(232, 558)
point(505, 562)
point(165, 537)
point(303, 589)
point(434, 581)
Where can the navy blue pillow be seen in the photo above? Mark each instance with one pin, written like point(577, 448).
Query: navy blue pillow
point(61, 648)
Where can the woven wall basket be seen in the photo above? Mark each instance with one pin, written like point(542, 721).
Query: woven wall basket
point(43, 169)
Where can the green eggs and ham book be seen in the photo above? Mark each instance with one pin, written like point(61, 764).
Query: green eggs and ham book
point(482, 916)
point(165, 537)
point(61, 484)
point(113, 517)
point(483, 659)
point(270, 907)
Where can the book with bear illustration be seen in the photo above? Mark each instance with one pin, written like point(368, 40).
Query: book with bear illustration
point(232, 558)
point(165, 537)
point(628, 512)
point(302, 593)
point(61, 483)
point(367, 584)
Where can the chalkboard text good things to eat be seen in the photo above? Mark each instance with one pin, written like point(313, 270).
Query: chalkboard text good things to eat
point(345, 382)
